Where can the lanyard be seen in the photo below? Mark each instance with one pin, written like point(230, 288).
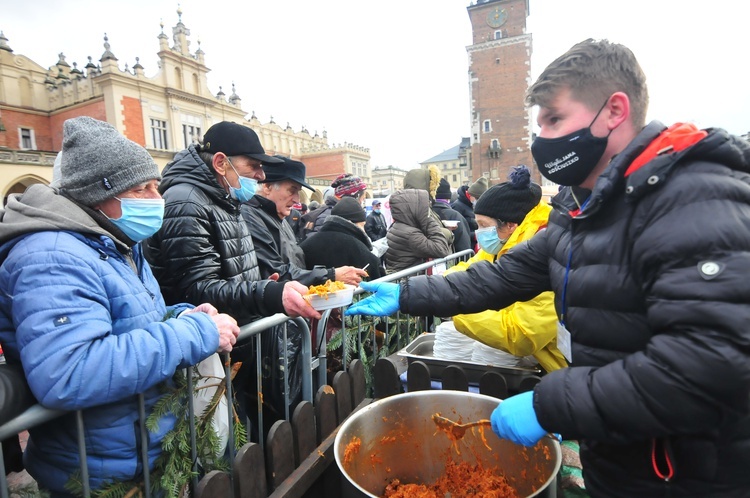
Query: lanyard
point(567, 270)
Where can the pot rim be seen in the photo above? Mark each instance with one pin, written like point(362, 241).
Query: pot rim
point(350, 420)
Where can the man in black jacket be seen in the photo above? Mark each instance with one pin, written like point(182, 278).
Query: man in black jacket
point(441, 206)
point(204, 251)
point(466, 197)
point(274, 241)
point(278, 253)
point(647, 250)
point(344, 231)
point(375, 225)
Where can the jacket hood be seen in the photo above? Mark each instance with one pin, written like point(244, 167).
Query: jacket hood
point(410, 206)
point(534, 221)
point(653, 169)
point(681, 143)
point(461, 195)
point(335, 223)
point(188, 168)
point(40, 209)
point(423, 179)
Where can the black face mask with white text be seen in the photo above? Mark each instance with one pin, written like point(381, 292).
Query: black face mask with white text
point(570, 159)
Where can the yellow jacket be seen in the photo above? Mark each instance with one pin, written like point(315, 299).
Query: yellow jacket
point(523, 328)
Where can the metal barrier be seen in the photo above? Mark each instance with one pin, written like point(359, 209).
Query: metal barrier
point(401, 342)
point(38, 415)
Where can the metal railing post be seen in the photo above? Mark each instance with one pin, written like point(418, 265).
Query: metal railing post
point(82, 455)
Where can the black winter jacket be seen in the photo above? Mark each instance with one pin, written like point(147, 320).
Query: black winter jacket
point(276, 246)
point(463, 206)
point(461, 239)
point(341, 243)
point(657, 300)
point(311, 222)
point(375, 226)
point(203, 251)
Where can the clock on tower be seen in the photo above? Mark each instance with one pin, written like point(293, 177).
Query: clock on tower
point(497, 17)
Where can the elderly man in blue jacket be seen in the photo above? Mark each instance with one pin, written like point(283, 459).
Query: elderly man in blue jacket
point(82, 313)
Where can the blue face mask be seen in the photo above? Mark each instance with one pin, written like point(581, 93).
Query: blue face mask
point(141, 218)
point(489, 240)
point(248, 186)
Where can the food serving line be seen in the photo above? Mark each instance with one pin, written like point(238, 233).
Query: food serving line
point(413, 356)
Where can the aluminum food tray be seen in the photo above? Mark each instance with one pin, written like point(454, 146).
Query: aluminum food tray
point(421, 349)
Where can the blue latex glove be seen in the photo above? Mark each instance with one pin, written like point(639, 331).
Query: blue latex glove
point(515, 419)
point(383, 302)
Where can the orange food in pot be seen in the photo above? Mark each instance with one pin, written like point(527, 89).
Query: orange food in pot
point(352, 449)
point(460, 480)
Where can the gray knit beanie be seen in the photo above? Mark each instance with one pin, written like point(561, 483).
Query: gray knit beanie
point(98, 163)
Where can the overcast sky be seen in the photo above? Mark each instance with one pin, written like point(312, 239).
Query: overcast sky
point(391, 75)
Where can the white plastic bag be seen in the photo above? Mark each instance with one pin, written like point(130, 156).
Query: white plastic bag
point(212, 372)
point(379, 247)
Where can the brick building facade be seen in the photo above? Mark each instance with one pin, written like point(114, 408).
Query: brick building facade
point(164, 112)
point(499, 75)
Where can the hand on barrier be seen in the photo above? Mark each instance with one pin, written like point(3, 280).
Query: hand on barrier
point(515, 419)
point(204, 308)
point(383, 301)
point(228, 331)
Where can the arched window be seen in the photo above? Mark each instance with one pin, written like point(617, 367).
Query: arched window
point(178, 78)
point(24, 90)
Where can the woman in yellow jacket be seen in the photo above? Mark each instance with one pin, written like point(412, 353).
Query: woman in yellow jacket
point(508, 214)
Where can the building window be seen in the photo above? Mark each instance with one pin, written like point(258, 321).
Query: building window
point(190, 134)
point(498, 34)
point(495, 150)
point(454, 179)
point(26, 139)
point(487, 126)
point(159, 134)
point(191, 129)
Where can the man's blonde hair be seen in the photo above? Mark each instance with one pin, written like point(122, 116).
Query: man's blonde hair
point(593, 71)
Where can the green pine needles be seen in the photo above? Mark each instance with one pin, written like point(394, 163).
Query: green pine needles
point(173, 469)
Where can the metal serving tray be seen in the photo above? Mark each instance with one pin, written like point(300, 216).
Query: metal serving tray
point(421, 349)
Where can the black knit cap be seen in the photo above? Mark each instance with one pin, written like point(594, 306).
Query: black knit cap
point(349, 208)
point(443, 190)
point(510, 201)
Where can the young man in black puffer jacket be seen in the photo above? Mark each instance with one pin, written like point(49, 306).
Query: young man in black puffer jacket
point(647, 250)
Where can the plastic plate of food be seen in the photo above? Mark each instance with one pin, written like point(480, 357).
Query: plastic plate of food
point(329, 295)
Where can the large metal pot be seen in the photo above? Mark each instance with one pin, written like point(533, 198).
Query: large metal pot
point(399, 440)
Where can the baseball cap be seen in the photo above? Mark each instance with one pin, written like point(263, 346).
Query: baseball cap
point(235, 140)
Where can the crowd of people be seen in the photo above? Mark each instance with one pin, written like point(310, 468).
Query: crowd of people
point(123, 250)
point(630, 293)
